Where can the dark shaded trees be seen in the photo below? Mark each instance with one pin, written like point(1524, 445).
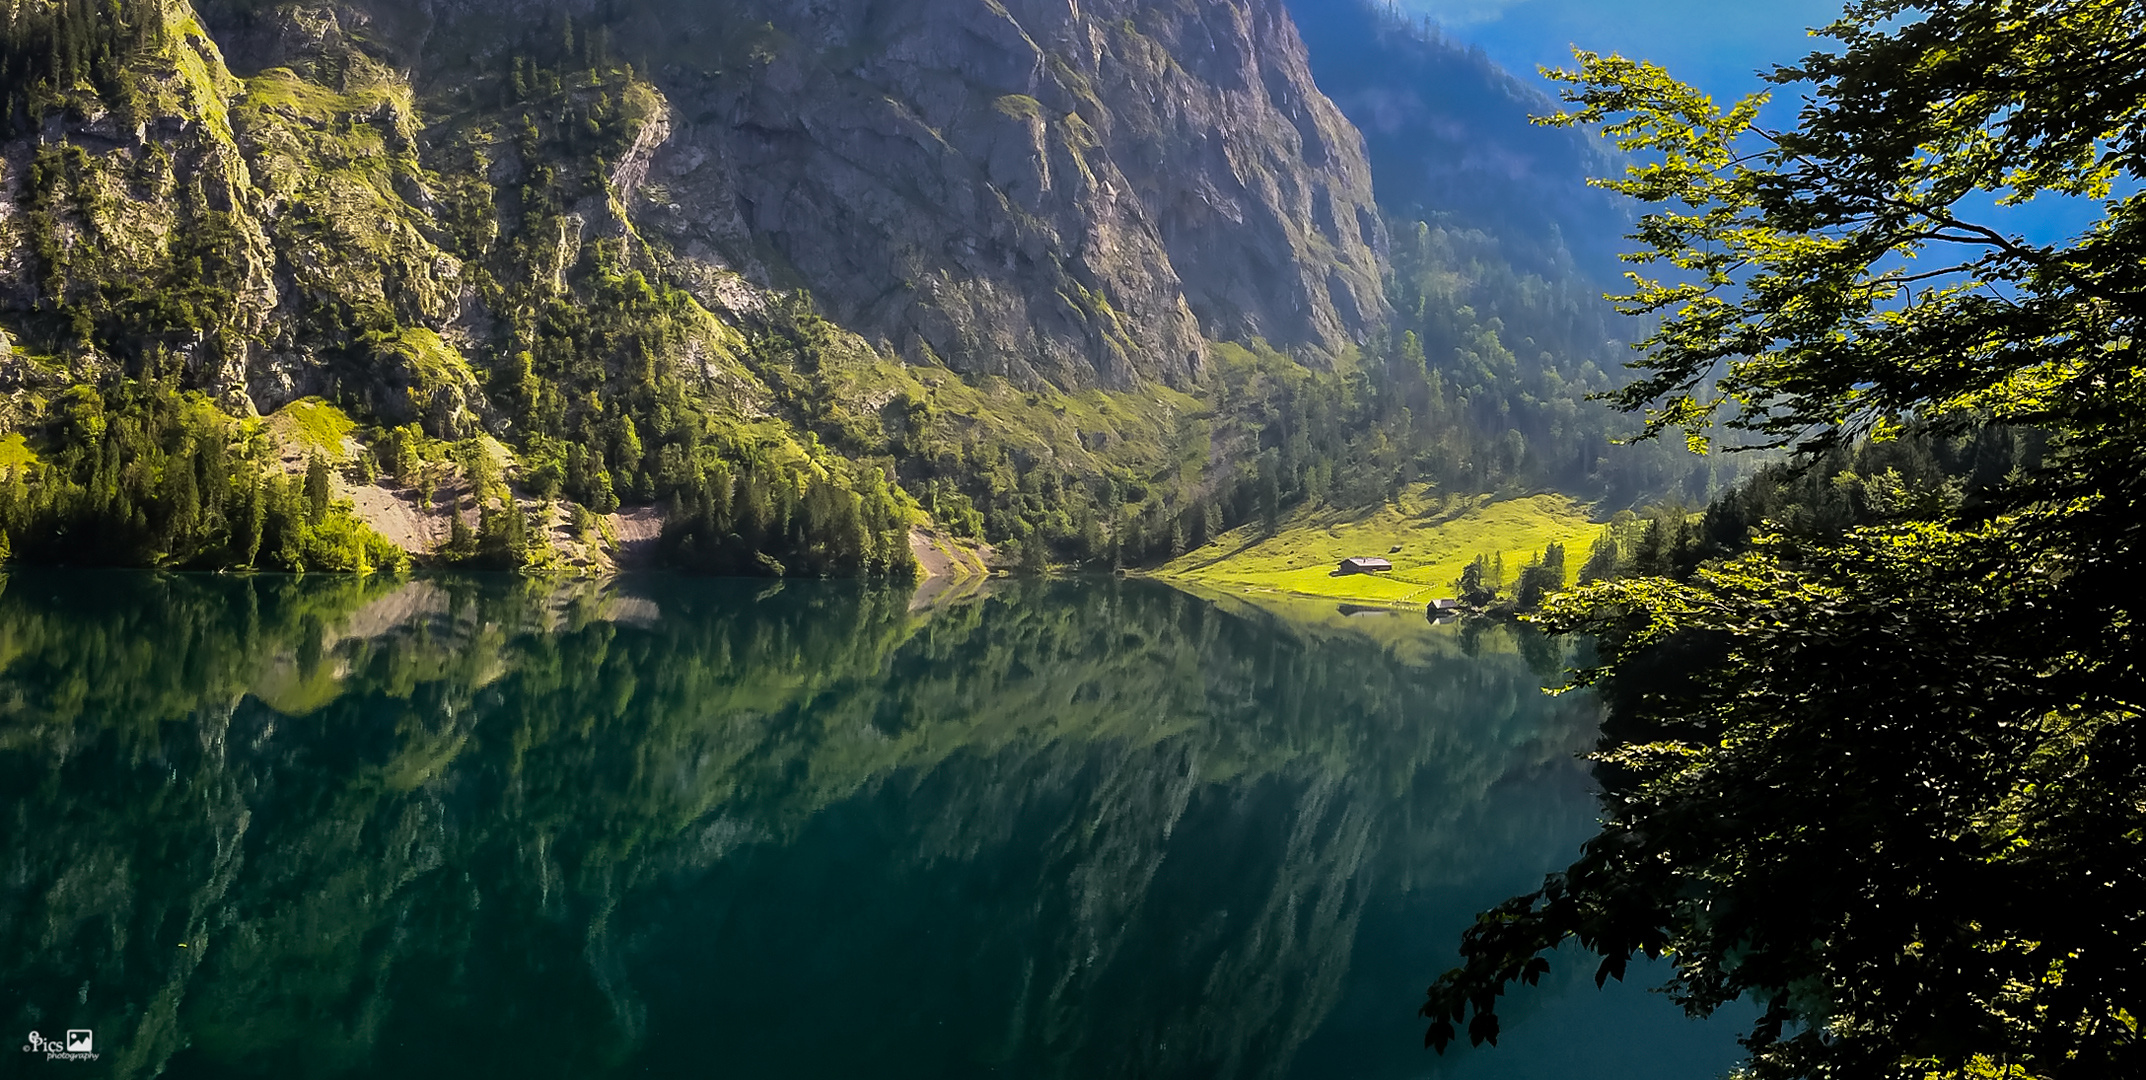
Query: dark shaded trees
point(1882, 776)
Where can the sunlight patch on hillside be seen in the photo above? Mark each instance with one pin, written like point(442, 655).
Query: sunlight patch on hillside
point(1437, 536)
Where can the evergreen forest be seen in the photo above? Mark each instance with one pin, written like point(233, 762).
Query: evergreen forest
point(598, 377)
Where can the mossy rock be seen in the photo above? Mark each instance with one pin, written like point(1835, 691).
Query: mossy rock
point(424, 379)
point(1019, 107)
point(316, 427)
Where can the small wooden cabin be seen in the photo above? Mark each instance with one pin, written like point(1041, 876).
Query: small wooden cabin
point(1365, 564)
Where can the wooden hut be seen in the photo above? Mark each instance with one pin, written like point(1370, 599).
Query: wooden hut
point(1365, 564)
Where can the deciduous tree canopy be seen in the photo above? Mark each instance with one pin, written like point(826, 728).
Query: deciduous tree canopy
point(1887, 783)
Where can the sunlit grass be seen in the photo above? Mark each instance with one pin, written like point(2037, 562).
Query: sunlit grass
point(15, 452)
point(315, 426)
point(1438, 535)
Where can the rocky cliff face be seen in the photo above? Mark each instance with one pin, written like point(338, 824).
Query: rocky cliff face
point(793, 271)
point(1048, 190)
point(1078, 195)
point(1447, 133)
point(240, 234)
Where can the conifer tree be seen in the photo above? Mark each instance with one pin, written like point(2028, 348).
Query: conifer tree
point(316, 489)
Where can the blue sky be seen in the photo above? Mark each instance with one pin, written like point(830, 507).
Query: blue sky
point(1714, 44)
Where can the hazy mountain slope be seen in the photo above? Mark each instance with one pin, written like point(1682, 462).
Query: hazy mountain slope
point(1499, 254)
point(1447, 132)
point(1500, 257)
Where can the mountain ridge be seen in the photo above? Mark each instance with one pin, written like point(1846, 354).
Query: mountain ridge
point(1449, 134)
point(1087, 284)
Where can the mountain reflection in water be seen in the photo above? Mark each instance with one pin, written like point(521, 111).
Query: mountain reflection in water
point(483, 826)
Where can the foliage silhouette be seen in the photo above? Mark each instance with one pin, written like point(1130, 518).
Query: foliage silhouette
point(1881, 771)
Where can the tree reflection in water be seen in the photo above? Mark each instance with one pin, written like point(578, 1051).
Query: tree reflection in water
point(488, 826)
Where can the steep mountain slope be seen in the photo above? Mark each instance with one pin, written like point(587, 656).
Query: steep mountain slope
point(1448, 134)
point(1050, 192)
point(1056, 191)
point(523, 282)
point(1500, 256)
point(728, 260)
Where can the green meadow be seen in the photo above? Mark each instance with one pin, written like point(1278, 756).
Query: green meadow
point(1436, 535)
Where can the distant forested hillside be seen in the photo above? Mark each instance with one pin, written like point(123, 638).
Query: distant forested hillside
point(1448, 135)
point(307, 286)
point(1500, 257)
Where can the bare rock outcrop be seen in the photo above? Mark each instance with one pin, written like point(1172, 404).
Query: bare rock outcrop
point(1081, 194)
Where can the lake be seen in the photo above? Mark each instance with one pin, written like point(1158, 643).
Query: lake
point(472, 826)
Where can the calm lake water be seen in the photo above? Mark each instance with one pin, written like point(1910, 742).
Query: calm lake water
point(479, 827)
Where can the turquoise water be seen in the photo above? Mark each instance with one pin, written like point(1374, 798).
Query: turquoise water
point(478, 827)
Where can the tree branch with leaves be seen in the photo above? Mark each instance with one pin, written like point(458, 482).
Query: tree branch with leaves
point(1889, 786)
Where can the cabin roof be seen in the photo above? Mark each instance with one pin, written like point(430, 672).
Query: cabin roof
point(1365, 562)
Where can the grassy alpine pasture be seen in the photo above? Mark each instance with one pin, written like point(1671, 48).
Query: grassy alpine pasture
point(1437, 534)
point(313, 426)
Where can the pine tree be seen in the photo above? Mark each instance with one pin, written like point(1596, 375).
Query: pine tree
point(461, 542)
point(1472, 586)
point(317, 490)
point(185, 504)
point(1602, 558)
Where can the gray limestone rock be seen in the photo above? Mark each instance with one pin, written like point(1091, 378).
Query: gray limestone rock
point(1082, 194)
